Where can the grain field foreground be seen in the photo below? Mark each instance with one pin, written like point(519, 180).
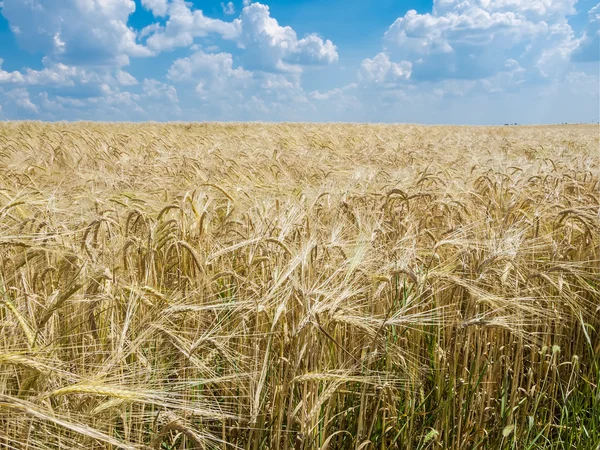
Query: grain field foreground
point(299, 287)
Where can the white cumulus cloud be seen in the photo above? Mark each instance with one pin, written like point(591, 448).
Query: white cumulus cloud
point(272, 47)
point(184, 25)
point(9, 77)
point(205, 65)
point(63, 76)
point(228, 8)
point(267, 45)
point(20, 98)
point(157, 7)
point(540, 9)
point(588, 47)
point(155, 89)
point(90, 32)
point(380, 70)
point(471, 39)
point(212, 74)
point(125, 79)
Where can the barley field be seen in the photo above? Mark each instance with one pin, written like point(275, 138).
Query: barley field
point(299, 286)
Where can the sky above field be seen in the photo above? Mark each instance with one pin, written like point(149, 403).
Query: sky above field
point(450, 61)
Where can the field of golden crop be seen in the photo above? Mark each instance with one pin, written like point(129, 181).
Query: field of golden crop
point(194, 286)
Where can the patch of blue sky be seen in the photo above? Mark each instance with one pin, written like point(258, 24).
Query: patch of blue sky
point(447, 61)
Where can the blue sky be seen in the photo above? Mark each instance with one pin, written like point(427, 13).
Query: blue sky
point(446, 61)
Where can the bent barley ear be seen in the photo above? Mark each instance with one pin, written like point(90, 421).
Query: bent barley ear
point(507, 431)
point(430, 436)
